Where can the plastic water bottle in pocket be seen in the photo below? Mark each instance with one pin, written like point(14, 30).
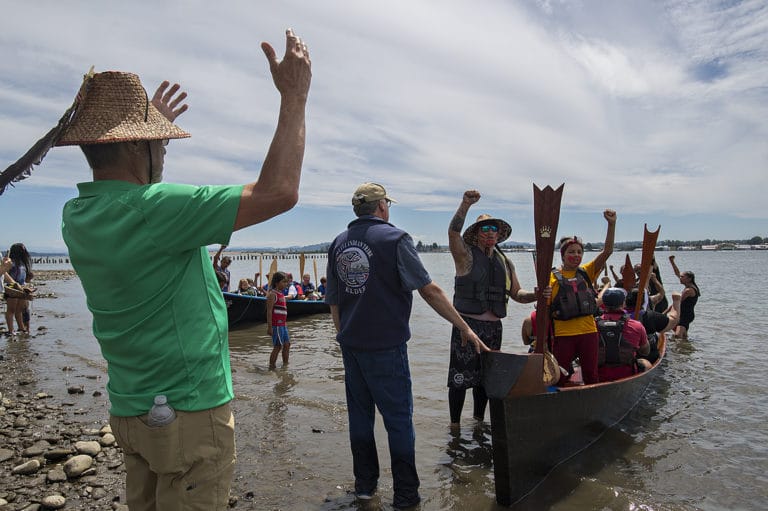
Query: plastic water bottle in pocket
point(161, 412)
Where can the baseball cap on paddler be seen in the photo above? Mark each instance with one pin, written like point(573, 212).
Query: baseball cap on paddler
point(370, 192)
point(109, 107)
point(613, 297)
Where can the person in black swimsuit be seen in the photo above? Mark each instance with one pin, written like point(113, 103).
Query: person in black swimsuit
point(688, 301)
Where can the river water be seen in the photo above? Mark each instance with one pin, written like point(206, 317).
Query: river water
point(697, 441)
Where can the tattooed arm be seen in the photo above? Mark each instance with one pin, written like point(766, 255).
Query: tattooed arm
point(461, 252)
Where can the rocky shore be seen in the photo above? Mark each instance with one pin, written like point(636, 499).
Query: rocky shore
point(56, 447)
point(52, 456)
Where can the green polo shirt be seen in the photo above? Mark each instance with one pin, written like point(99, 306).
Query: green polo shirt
point(158, 311)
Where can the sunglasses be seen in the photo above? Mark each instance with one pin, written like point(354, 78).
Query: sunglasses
point(489, 228)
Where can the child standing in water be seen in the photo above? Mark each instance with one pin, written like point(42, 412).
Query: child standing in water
point(277, 314)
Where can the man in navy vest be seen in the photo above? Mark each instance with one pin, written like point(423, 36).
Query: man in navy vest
point(373, 269)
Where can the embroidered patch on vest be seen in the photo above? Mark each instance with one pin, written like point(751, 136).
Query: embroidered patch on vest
point(353, 265)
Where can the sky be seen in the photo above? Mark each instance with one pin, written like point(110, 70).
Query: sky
point(657, 109)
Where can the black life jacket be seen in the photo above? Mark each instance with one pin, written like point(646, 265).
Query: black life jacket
point(485, 286)
point(613, 349)
point(568, 303)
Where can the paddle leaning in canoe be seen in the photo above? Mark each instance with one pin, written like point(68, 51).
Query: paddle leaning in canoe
point(535, 428)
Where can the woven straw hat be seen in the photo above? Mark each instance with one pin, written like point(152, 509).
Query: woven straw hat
point(116, 108)
point(109, 107)
point(470, 235)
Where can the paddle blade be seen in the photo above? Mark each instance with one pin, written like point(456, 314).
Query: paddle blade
point(628, 275)
point(649, 246)
point(273, 266)
point(302, 260)
point(546, 217)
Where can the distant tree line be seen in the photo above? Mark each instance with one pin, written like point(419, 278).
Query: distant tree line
point(621, 246)
point(631, 245)
point(423, 247)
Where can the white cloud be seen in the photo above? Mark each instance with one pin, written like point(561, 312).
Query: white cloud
point(662, 99)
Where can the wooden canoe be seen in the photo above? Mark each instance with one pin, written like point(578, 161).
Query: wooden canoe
point(252, 309)
point(535, 429)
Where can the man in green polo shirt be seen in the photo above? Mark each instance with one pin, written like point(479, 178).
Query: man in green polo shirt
point(138, 246)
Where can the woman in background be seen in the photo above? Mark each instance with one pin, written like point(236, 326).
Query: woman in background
point(688, 299)
point(20, 272)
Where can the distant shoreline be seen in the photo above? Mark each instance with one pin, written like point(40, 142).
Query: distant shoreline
point(253, 254)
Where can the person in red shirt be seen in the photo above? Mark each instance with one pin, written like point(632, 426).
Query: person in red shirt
point(277, 315)
point(622, 339)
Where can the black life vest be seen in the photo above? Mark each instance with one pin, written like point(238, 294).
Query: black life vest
point(613, 349)
point(570, 303)
point(485, 286)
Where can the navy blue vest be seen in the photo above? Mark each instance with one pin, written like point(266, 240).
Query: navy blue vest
point(374, 309)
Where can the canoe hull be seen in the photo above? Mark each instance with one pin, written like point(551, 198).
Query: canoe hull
point(252, 309)
point(532, 433)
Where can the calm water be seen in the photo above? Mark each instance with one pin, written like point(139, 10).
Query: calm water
point(698, 440)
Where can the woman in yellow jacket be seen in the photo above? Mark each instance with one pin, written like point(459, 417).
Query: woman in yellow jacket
point(573, 303)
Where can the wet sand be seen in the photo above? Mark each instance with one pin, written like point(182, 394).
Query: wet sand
point(291, 434)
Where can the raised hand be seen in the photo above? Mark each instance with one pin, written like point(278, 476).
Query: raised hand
point(610, 216)
point(293, 74)
point(471, 197)
point(165, 102)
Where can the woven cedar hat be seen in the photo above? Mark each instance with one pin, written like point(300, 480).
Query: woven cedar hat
point(470, 235)
point(116, 108)
point(109, 107)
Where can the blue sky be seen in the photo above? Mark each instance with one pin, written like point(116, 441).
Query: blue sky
point(657, 109)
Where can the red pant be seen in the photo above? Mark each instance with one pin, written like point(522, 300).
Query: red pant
point(584, 346)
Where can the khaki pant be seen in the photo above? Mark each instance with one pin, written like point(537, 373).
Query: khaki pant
point(185, 465)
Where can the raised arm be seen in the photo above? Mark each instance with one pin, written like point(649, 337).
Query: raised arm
point(460, 251)
point(438, 300)
point(277, 188)
point(217, 256)
point(602, 257)
point(674, 266)
point(616, 278)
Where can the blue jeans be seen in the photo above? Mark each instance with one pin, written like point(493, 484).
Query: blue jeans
point(382, 379)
